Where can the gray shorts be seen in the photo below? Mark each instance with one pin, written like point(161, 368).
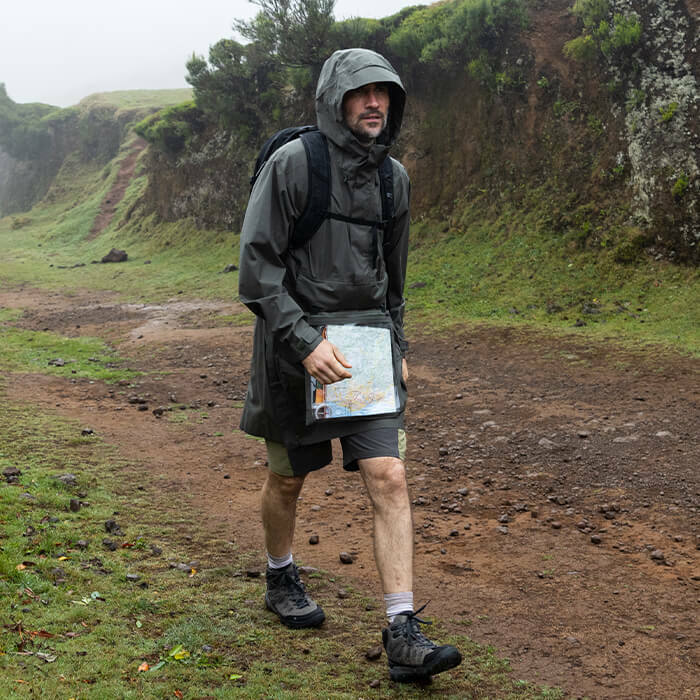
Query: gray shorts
point(380, 442)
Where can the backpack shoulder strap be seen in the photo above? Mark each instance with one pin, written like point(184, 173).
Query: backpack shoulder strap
point(319, 187)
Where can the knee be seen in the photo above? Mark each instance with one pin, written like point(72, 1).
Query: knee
point(391, 479)
point(286, 488)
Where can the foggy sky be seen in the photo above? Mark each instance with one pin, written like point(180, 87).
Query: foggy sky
point(61, 51)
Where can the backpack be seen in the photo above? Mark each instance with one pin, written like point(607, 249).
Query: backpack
point(318, 203)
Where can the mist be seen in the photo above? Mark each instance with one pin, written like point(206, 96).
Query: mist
point(58, 53)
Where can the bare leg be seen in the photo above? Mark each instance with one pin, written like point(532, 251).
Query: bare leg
point(279, 509)
point(385, 479)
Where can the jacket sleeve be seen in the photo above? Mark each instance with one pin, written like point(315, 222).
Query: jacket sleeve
point(397, 255)
point(272, 209)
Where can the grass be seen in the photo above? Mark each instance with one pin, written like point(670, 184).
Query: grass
point(74, 626)
point(512, 271)
point(50, 353)
point(135, 99)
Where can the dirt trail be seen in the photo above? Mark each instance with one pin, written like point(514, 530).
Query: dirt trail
point(109, 204)
point(523, 450)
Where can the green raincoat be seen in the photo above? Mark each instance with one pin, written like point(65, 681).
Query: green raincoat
point(342, 274)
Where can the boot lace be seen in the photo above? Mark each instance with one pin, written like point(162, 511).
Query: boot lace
point(411, 629)
point(294, 588)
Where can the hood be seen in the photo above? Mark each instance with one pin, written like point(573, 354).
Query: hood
point(347, 70)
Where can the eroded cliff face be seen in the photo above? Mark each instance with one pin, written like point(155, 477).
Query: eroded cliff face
point(610, 141)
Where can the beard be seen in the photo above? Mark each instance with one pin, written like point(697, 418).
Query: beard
point(364, 134)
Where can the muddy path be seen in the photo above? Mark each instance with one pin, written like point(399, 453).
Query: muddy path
point(555, 482)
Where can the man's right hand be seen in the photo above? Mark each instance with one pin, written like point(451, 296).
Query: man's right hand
point(327, 364)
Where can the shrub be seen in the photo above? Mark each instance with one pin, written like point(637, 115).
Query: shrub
point(170, 129)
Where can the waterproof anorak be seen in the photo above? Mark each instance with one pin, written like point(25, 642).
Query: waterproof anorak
point(345, 271)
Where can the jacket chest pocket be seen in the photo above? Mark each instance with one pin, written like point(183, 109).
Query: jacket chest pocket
point(345, 252)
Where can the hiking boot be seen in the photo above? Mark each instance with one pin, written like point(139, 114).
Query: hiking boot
point(412, 656)
point(287, 597)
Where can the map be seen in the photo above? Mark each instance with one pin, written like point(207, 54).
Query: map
point(371, 390)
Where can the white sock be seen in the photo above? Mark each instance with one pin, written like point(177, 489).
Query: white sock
point(279, 562)
point(398, 603)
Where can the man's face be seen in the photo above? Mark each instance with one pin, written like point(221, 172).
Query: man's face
point(366, 110)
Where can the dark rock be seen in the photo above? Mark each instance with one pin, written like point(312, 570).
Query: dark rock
point(556, 525)
point(67, 479)
point(115, 256)
point(11, 472)
point(345, 558)
point(596, 539)
point(313, 539)
point(658, 555)
point(109, 544)
point(87, 431)
point(230, 268)
point(142, 407)
point(253, 573)
point(505, 518)
point(417, 285)
point(81, 544)
point(57, 362)
point(112, 527)
point(207, 648)
point(343, 594)
point(74, 505)
point(374, 653)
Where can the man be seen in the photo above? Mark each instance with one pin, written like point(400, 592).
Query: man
point(351, 270)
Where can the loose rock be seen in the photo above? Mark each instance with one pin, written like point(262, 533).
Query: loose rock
point(345, 558)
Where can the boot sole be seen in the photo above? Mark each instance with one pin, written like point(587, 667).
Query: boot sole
point(444, 661)
point(312, 619)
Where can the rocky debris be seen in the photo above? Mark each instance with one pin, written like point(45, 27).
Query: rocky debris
point(111, 545)
point(374, 653)
point(343, 594)
point(658, 556)
point(186, 568)
point(57, 362)
point(313, 539)
point(547, 444)
point(112, 527)
point(11, 475)
point(253, 573)
point(376, 683)
point(115, 256)
point(81, 544)
point(556, 525)
point(133, 399)
point(505, 518)
point(68, 479)
point(345, 558)
point(230, 268)
point(307, 570)
point(133, 578)
point(74, 505)
point(87, 431)
point(502, 529)
point(596, 539)
point(626, 439)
